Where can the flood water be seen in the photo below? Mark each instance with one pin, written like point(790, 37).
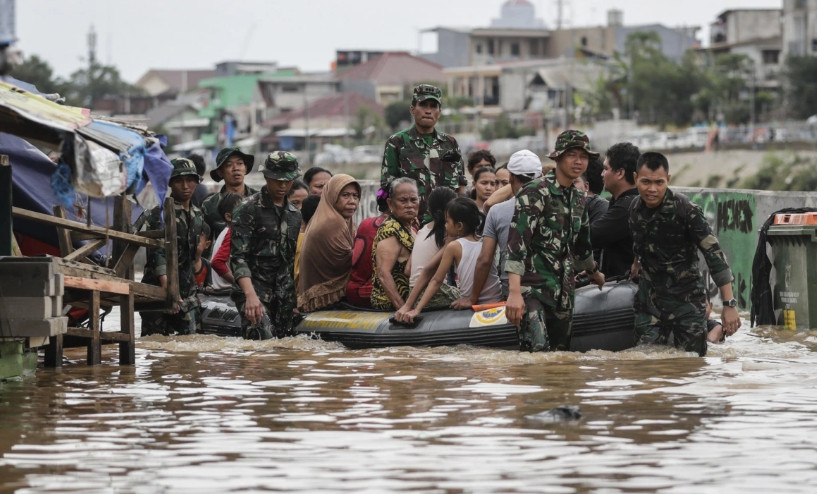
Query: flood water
point(209, 414)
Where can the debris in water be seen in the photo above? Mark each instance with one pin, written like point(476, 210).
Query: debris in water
point(558, 414)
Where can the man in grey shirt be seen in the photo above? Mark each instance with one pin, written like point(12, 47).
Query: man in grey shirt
point(524, 167)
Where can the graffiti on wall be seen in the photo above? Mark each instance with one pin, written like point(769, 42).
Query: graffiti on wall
point(733, 218)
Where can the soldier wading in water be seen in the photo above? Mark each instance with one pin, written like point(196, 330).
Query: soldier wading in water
point(548, 243)
point(262, 252)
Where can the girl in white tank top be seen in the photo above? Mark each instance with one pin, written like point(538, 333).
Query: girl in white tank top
point(462, 218)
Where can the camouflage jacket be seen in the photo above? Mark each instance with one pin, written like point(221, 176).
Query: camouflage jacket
point(549, 240)
point(433, 160)
point(263, 239)
point(666, 240)
point(188, 230)
point(210, 210)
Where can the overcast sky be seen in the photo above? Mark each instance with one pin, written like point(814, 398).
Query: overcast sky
point(138, 35)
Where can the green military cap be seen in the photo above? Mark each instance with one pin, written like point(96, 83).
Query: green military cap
point(425, 92)
point(226, 153)
point(281, 165)
point(570, 139)
point(184, 166)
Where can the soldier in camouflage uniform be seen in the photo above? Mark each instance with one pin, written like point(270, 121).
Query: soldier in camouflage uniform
point(422, 153)
point(184, 317)
point(233, 166)
point(668, 231)
point(548, 243)
point(262, 253)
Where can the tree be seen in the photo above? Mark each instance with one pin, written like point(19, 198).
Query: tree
point(38, 72)
point(801, 90)
point(397, 112)
point(89, 85)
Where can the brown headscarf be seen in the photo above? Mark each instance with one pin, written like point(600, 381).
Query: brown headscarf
point(326, 254)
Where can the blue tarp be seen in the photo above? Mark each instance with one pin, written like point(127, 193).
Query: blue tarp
point(31, 189)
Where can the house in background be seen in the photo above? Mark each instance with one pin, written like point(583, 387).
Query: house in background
point(754, 33)
point(389, 77)
point(799, 28)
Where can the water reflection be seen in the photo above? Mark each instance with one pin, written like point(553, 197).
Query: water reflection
point(208, 414)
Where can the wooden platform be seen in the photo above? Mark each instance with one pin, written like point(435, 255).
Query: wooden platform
point(92, 287)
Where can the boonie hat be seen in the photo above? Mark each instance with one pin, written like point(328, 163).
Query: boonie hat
point(525, 163)
point(281, 165)
point(225, 153)
point(183, 166)
point(570, 139)
point(425, 92)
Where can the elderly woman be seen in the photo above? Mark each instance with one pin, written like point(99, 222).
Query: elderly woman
point(393, 245)
point(326, 255)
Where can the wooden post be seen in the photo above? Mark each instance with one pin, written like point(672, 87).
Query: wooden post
point(171, 252)
point(122, 255)
point(94, 345)
point(5, 206)
point(53, 352)
point(63, 235)
point(127, 350)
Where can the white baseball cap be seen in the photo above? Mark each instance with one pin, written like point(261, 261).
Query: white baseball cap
point(525, 163)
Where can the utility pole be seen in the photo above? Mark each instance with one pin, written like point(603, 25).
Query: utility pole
point(559, 11)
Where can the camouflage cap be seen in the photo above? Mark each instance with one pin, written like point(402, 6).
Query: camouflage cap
point(225, 153)
point(281, 165)
point(570, 139)
point(183, 166)
point(425, 92)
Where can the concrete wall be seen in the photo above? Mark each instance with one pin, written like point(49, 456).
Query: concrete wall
point(736, 216)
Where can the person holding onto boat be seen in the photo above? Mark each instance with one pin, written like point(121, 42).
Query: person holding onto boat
point(432, 236)
point(262, 251)
point(326, 255)
point(548, 243)
point(668, 232)
point(220, 261)
point(611, 232)
point(523, 167)
point(232, 166)
point(184, 316)
point(359, 288)
point(429, 157)
point(393, 244)
point(462, 220)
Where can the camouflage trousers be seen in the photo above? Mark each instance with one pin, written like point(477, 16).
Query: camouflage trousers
point(670, 321)
point(544, 328)
point(186, 321)
point(280, 311)
point(443, 298)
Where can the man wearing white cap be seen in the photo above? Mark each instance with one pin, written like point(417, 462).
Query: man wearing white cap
point(524, 166)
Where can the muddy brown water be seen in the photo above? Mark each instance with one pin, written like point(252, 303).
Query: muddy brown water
point(209, 414)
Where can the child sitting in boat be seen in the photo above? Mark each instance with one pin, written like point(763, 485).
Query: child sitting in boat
point(462, 220)
point(201, 266)
point(220, 260)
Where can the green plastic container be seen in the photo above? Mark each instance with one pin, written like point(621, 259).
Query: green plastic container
point(794, 250)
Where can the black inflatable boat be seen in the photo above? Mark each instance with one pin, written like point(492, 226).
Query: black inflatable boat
point(603, 320)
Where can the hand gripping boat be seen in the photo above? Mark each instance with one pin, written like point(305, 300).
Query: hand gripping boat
point(602, 320)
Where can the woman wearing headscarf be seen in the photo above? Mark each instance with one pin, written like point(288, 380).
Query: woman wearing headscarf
point(326, 255)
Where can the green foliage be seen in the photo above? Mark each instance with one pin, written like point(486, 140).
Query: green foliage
point(37, 71)
point(794, 173)
point(502, 128)
point(397, 112)
point(713, 181)
point(801, 74)
point(95, 82)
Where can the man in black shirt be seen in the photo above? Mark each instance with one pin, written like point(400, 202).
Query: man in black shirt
point(611, 232)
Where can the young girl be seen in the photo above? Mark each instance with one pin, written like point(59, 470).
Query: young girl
point(462, 219)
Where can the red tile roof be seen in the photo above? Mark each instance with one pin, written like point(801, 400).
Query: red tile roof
point(394, 68)
point(337, 106)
